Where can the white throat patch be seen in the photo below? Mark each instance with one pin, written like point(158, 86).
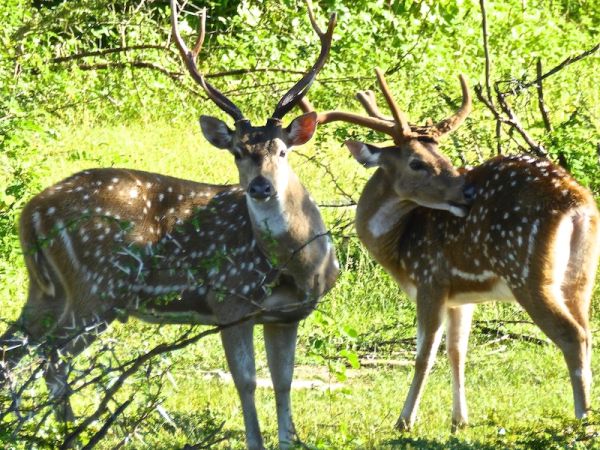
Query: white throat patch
point(270, 216)
point(385, 218)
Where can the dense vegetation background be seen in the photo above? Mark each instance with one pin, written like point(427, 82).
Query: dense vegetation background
point(97, 83)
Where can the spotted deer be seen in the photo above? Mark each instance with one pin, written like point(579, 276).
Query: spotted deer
point(111, 243)
point(513, 228)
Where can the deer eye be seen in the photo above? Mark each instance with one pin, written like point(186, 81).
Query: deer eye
point(417, 164)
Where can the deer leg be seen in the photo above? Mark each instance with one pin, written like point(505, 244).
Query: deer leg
point(578, 306)
point(280, 344)
point(548, 311)
point(430, 315)
point(70, 338)
point(239, 350)
point(457, 339)
point(56, 377)
point(578, 281)
point(39, 316)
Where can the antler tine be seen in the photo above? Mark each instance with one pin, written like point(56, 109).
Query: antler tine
point(189, 59)
point(453, 122)
point(369, 103)
point(374, 123)
point(201, 34)
point(305, 105)
point(299, 90)
point(402, 125)
point(313, 21)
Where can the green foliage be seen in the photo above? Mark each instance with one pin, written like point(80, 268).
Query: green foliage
point(61, 111)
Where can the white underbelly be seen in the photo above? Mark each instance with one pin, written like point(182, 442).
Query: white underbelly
point(500, 292)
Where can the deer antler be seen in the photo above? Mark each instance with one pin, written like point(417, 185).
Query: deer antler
point(398, 128)
point(453, 122)
point(402, 125)
point(369, 103)
point(299, 90)
point(189, 58)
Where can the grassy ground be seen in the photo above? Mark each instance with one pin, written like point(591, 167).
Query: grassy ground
point(518, 390)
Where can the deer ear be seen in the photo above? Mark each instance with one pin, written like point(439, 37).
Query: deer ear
point(366, 154)
point(301, 129)
point(216, 132)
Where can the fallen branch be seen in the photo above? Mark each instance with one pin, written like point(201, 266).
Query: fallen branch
point(508, 335)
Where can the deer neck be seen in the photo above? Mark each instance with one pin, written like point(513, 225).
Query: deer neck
point(285, 223)
point(381, 218)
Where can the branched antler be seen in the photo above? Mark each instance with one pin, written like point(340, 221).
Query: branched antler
point(299, 90)
point(398, 128)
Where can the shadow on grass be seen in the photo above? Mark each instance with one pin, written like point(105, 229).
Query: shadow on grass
point(414, 443)
point(571, 434)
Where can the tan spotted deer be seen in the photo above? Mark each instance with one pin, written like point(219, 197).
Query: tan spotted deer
point(109, 243)
point(513, 228)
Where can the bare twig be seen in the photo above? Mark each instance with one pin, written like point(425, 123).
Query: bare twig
point(108, 51)
point(330, 174)
point(484, 30)
point(511, 120)
point(567, 62)
point(537, 148)
point(489, 102)
point(72, 437)
point(127, 64)
point(498, 135)
point(508, 335)
point(107, 424)
point(228, 73)
point(540, 92)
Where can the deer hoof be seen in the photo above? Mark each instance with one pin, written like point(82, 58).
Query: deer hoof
point(458, 425)
point(403, 425)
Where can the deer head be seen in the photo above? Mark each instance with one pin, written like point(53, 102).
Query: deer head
point(414, 167)
point(259, 151)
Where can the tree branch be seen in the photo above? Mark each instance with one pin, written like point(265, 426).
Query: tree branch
point(511, 120)
point(537, 148)
point(484, 30)
point(108, 51)
point(567, 62)
point(540, 92)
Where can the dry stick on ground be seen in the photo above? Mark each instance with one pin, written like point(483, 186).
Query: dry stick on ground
point(508, 335)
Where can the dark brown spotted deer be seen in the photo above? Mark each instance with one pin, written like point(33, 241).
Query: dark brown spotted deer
point(513, 228)
point(109, 243)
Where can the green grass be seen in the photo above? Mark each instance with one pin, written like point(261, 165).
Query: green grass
point(518, 392)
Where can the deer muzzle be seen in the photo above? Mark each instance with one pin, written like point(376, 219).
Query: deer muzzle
point(261, 189)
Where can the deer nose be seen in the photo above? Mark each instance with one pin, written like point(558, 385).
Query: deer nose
point(260, 188)
point(469, 192)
